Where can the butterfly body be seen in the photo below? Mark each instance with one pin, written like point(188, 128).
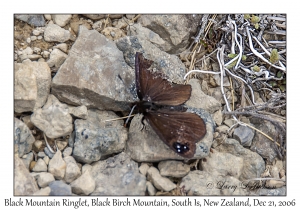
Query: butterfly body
point(161, 104)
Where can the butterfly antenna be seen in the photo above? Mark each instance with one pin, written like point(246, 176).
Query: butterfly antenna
point(129, 115)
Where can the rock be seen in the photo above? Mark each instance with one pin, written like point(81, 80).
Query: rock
point(67, 151)
point(253, 166)
point(79, 112)
point(41, 154)
point(61, 145)
point(28, 122)
point(63, 47)
point(59, 188)
point(71, 140)
point(85, 168)
point(25, 89)
point(150, 189)
point(53, 118)
point(200, 100)
point(45, 54)
point(72, 169)
point(32, 85)
point(244, 135)
point(57, 166)
point(144, 168)
point(218, 117)
point(35, 20)
point(61, 20)
point(161, 183)
point(48, 17)
point(223, 164)
point(36, 32)
point(27, 159)
point(173, 168)
point(165, 63)
point(40, 166)
point(46, 159)
point(176, 30)
point(95, 138)
point(57, 58)
point(229, 122)
point(144, 145)
point(118, 175)
point(88, 65)
point(43, 192)
point(44, 179)
point(23, 138)
point(24, 183)
point(261, 144)
point(54, 33)
point(84, 185)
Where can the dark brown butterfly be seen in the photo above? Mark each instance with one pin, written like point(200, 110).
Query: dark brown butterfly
point(160, 103)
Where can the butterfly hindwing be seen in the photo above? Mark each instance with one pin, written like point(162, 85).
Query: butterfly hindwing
point(179, 130)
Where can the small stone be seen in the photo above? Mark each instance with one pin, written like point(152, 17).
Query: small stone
point(86, 167)
point(57, 166)
point(61, 145)
point(63, 47)
point(84, 185)
point(43, 192)
point(61, 20)
point(27, 51)
point(38, 145)
point(28, 40)
point(37, 50)
point(144, 168)
point(48, 17)
point(229, 122)
point(46, 159)
point(79, 112)
point(44, 179)
point(59, 188)
point(158, 181)
point(33, 38)
point(31, 165)
point(36, 32)
point(173, 168)
point(41, 154)
point(27, 159)
point(244, 135)
point(39, 37)
point(45, 54)
point(57, 58)
point(40, 166)
point(67, 151)
point(150, 188)
point(218, 117)
point(54, 33)
point(72, 169)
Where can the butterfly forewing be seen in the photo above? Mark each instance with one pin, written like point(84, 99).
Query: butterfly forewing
point(153, 88)
point(177, 128)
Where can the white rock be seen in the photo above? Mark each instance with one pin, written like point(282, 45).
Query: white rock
point(47, 17)
point(144, 168)
point(72, 169)
point(45, 54)
point(61, 20)
point(67, 151)
point(44, 179)
point(57, 58)
point(40, 166)
point(54, 33)
point(63, 47)
point(158, 181)
point(27, 51)
point(28, 40)
point(150, 188)
point(36, 32)
point(84, 185)
point(33, 38)
point(39, 37)
point(57, 166)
